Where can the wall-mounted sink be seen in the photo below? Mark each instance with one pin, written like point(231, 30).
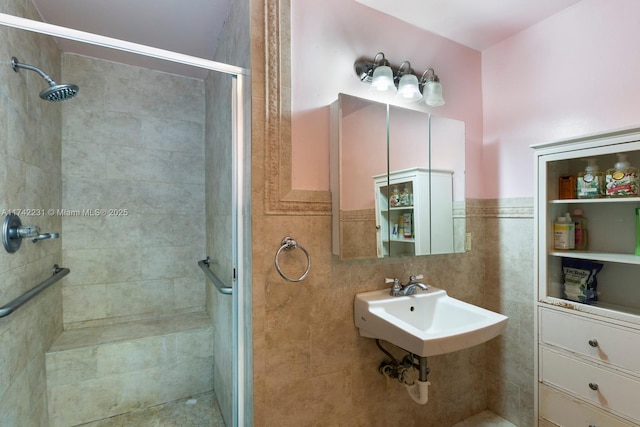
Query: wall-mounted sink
point(426, 324)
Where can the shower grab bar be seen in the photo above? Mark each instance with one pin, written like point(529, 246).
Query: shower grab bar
point(58, 273)
point(204, 265)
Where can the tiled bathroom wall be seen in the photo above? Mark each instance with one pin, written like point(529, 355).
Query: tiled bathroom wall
point(30, 179)
point(508, 283)
point(133, 193)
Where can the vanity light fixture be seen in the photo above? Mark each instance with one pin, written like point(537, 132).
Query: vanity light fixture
point(408, 85)
point(432, 89)
point(401, 80)
point(382, 79)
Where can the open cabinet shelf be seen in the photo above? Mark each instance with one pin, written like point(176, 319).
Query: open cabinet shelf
point(584, 345)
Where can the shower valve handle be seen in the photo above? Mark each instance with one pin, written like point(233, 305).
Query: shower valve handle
point(27, 231)
point(13, 232)
point(44, 236)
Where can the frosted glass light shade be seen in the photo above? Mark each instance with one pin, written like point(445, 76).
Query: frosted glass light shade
point(382, 80)
point(408, 90)
point(433, 94)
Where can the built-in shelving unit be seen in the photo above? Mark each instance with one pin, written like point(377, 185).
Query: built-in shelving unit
point(585, 373)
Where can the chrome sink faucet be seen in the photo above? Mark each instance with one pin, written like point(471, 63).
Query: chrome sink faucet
point(400, 289)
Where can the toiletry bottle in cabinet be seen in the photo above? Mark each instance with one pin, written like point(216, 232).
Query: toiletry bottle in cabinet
point(567, 187)
point(580, 223)
point(590, 182)
point(408, 223)
point(563, 233)
point(622, 179)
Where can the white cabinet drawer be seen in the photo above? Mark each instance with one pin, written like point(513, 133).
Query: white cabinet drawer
point(601, 387)
point(562, 410)
point(604, 342)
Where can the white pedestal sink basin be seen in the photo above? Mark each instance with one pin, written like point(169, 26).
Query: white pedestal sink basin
point(427, 323)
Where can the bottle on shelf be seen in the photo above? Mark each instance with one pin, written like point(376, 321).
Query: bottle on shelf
point(622, 179)
point(564, 233)
point(572, 230)
point(591, 182)
point(408, 229)
point(580, 232)
point(567, 187)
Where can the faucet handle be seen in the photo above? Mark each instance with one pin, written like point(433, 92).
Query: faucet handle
point(414, 278)
point(396, 288)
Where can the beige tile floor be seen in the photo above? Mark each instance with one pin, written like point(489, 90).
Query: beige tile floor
point(485, 419)
point(204, 412)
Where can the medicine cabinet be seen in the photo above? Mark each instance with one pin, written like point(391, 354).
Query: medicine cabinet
point(374, 145)
point(587, 367)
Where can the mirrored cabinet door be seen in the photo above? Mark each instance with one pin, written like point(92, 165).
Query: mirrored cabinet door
point(358, 152)
point(396, 191)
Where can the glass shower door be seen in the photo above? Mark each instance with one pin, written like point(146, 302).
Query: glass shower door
point(227, 188)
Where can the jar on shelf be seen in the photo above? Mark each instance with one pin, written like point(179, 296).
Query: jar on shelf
point(406, 198)
point(590, 182)
point(394, 198)
point(622, 179)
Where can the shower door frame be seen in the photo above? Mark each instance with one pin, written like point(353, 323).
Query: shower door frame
point(241, 211)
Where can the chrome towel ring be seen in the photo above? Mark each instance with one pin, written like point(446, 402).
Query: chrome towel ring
point(289, 244)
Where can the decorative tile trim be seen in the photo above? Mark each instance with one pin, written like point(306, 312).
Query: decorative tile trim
point(358, 215)
point(500, 208)
point(280, 198)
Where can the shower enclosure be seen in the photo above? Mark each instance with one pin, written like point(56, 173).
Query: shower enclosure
point(139, 262)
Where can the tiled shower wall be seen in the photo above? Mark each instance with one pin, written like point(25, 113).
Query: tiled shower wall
point(29, 179)
point(133, 193)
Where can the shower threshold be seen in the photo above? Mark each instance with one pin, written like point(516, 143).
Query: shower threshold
point(200, 410)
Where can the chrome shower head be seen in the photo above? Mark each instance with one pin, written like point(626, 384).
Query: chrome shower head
point(55, 91)
point(59, 92)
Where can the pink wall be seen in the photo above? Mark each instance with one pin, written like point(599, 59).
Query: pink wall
point(327, 37)
point(574, 73)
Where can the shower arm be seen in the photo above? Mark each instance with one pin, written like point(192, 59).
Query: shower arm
point(15, 64)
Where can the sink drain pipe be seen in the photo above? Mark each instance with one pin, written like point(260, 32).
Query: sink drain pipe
point(401, 370)
point(419, 390)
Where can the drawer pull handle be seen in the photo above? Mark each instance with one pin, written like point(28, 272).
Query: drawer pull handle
point(593, 386)
point(593, 343)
